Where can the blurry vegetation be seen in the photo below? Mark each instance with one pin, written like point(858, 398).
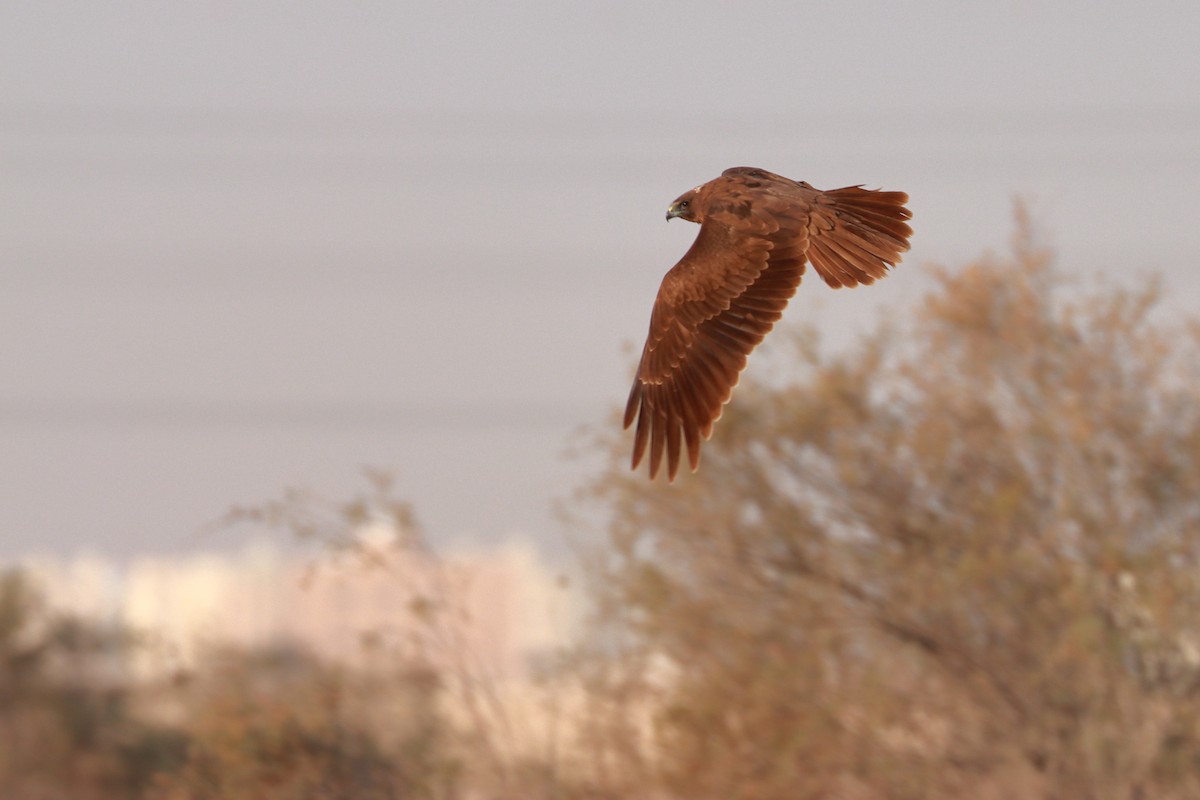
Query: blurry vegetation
point(959, 560)
point(280, 724)
point(66, 726)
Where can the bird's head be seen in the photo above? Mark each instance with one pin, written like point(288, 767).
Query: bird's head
point(686, 206)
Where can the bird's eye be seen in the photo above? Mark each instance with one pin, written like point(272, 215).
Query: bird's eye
point(684, 204)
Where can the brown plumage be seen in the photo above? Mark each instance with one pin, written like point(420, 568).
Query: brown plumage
point(757, 229)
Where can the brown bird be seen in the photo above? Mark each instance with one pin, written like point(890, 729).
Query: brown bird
point(757, 229)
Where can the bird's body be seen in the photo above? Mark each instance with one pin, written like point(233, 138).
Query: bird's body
point(757, 231)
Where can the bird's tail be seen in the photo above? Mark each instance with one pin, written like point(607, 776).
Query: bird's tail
point(857, 234)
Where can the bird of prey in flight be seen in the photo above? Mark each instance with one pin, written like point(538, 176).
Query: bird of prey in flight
point(757, 230)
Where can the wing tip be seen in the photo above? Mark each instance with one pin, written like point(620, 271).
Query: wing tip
point(633, 403)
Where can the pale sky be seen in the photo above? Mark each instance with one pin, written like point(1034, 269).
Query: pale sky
point(245, 246)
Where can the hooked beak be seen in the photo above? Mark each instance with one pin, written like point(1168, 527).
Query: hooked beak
point(673, 211)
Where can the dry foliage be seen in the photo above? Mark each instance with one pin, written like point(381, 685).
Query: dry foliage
point(959, 561)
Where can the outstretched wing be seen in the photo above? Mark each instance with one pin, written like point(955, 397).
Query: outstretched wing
point(712, 309)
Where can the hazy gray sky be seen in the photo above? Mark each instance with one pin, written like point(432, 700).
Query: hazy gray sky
point(250, 245)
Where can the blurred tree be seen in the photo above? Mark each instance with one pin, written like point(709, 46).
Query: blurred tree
point(22, 647)
point(279, 724)
point(960, 560)
point(66, 730)
point(380, 732)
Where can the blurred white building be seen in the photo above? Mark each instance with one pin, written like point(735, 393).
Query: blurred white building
point(499, 609)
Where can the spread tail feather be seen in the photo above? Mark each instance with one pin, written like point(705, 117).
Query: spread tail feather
point(857, 234)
